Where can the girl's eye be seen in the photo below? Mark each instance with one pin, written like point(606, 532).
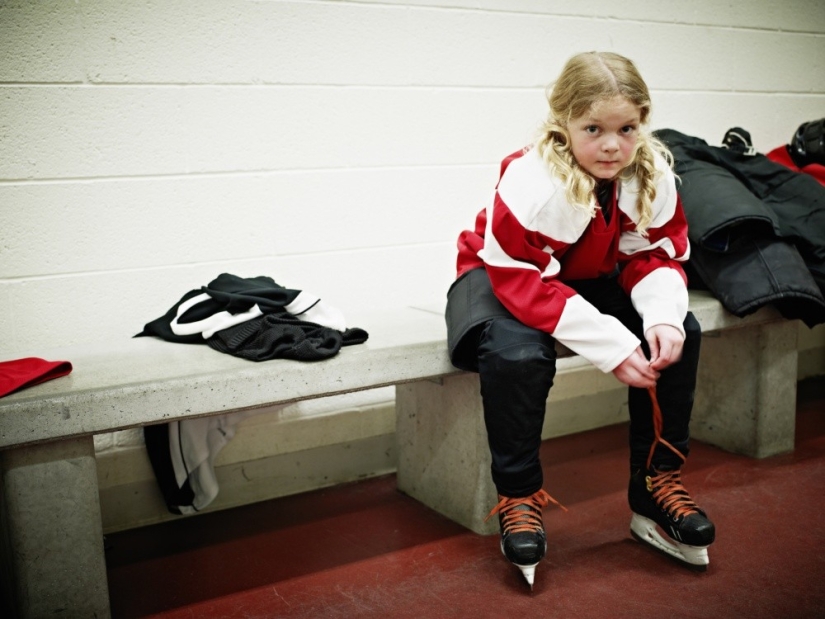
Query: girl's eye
point(628, 129)
point(591, 129)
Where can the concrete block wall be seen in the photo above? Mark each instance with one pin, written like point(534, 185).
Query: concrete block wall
point(338, 146)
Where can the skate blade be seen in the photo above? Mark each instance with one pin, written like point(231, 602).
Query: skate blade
point(529, 573)
point(693, 557)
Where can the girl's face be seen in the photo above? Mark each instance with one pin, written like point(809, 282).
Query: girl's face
point(602, 140)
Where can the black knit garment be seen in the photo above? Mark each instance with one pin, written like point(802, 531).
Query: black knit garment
point(282, 336)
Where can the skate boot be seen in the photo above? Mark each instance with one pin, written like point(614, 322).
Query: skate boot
point(523, 539)
point(657, 497)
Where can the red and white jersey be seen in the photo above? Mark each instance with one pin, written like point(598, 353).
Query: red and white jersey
point(531, 240)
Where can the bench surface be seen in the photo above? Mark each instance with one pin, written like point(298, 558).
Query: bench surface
point(145, 381)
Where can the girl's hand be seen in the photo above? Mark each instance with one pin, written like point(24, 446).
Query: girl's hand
point(665, 345)
point(636, 370)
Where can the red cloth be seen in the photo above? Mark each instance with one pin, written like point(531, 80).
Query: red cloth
point(21, 373)
point(781, 155)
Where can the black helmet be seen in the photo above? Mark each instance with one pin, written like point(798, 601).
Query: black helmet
point(806, 145)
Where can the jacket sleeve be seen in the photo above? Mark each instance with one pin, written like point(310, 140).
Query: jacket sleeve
point(652, 274)
point(526, 226)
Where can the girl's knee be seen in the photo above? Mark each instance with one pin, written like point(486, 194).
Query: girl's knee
point(511, 348)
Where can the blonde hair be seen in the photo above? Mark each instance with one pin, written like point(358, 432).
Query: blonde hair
point(587, 79)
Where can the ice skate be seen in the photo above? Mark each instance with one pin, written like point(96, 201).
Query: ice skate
point(660, 503)
point(523, 539)
point(658, 499)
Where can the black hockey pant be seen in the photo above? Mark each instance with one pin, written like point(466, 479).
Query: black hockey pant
point(517, 365)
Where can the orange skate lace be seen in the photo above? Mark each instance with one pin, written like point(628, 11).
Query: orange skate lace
point(666, 486)
point(515, 520)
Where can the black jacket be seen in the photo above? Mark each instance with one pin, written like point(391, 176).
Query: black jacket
point(757, 229)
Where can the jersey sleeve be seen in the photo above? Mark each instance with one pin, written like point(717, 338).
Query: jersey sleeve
point(526, 227)
point(651, 269)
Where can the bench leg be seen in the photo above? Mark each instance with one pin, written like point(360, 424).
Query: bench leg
point(52, 547)
point(746, 393)
point(443, 457)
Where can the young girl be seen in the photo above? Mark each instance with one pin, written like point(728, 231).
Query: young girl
point(582, 245)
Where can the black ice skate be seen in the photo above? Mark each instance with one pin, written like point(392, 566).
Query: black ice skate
point(523, 539)
point(658, 498)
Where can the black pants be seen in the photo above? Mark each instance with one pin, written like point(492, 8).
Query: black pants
point(517, 365)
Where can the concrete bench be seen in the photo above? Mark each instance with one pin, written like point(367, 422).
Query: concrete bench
point(53, 557)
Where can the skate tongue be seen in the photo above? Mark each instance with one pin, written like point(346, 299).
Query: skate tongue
point(669, 493)
point(535, 502)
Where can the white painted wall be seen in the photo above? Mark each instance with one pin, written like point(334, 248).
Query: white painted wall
point(338, 146)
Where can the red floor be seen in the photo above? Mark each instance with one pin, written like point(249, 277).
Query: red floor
point(365, 550)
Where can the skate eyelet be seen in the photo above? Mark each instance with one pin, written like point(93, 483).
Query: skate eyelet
point(649, 484)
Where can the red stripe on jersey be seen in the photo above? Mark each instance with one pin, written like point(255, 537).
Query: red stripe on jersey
point(518, 242)
point(637, 266)
point(469, 244)
point(534, 302)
